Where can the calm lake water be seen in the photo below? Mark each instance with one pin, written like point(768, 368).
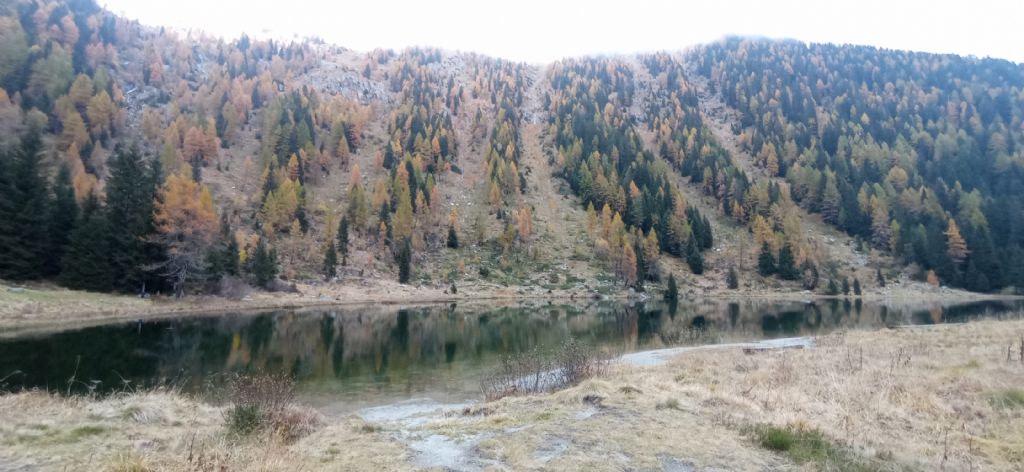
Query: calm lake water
point(354, 357)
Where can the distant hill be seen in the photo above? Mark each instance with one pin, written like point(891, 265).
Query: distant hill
point(177, 162)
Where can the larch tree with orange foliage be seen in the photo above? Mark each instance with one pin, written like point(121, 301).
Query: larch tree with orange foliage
point(186, 226)
point(956, 246)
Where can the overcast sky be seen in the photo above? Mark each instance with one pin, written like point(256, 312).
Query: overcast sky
point(546, 30)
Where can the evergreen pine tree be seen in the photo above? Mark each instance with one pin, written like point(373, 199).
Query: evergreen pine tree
point(693, 258)
point(86, 262)
point(846, 286)
point(223, 259)
point(672, 290)
point(343, 240)
point(263, 265)
point(131, 190)
point(856, 286)
point(732, 279)
point(330, 261)
point(765, 261)
point(230, 256)
point(62, 216)
point(23, 216)
point(832, 289)
point(404, 261)
point(641, 264)
point(787, 266)
point(453, 238)
point(879, 277)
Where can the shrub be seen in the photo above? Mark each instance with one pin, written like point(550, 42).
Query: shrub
point(258, 402)
point(535, 371)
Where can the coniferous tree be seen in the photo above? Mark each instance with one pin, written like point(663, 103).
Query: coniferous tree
point(833, 288)
point(856, 286)
point(223, 258)
point(62, 216)
point(23, 215)
point(766, 261)
point(846, 286)
point(404, 258)
point(732, 279)
point(879, 277)
point(694, 259)
point(86, 262)
point(787, 266)
point(343, 236)
point(453, 238)
point(330, 262)
point(263, 265)
point(672, 290)
point(131, 193)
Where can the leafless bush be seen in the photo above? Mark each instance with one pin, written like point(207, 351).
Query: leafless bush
point(295, 422)
point(258, 402)
point(534, 371)
point(690, 336)
point(576, 363)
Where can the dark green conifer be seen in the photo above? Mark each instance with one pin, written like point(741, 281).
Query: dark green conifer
point(330, 261)
point(765, 261)
point(86, 262)
point(404, 261)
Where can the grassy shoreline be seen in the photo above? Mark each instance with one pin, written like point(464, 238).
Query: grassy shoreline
point(45, 308)
point(943, 396)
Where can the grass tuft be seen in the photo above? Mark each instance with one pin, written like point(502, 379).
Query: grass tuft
point(809, 446)
point(1008, 398)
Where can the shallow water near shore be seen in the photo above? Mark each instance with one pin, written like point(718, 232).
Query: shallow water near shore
point(360, 357)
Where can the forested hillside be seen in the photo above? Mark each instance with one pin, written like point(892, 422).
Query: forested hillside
point(140, 159)
point(918, 154)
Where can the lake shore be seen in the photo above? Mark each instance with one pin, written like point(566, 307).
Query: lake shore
point(41, 308)
point(921, 398)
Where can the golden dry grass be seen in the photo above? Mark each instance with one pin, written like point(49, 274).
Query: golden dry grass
point(921, 399)
point(162, 431)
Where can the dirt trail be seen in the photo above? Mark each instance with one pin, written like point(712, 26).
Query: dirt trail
point(560, 222)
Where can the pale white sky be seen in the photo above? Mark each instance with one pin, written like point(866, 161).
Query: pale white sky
point(546, 30)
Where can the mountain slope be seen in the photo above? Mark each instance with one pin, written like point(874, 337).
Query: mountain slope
point(447, 169)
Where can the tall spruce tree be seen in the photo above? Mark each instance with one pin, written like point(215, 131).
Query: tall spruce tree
point(63, 214)
point(453, 238)
point(672, 290)
point(263, 265)
point(404, 259)
point(343, 230)
point(330, 262)
point(787, 265)
point(222, 259)
point(694, 259)
point(131, 190)
point(86, 263)
point(765, 261)
point(23, 212)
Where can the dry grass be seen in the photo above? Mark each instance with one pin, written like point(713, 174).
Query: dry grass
point(928, 398)
point(163, 431)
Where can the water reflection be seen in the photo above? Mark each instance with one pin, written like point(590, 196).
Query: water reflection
point(371, 355)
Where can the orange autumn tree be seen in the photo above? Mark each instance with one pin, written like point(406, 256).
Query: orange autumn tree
point(186, 225)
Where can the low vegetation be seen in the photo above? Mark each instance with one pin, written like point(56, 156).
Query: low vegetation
point(535, 371)
point(807, 446)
